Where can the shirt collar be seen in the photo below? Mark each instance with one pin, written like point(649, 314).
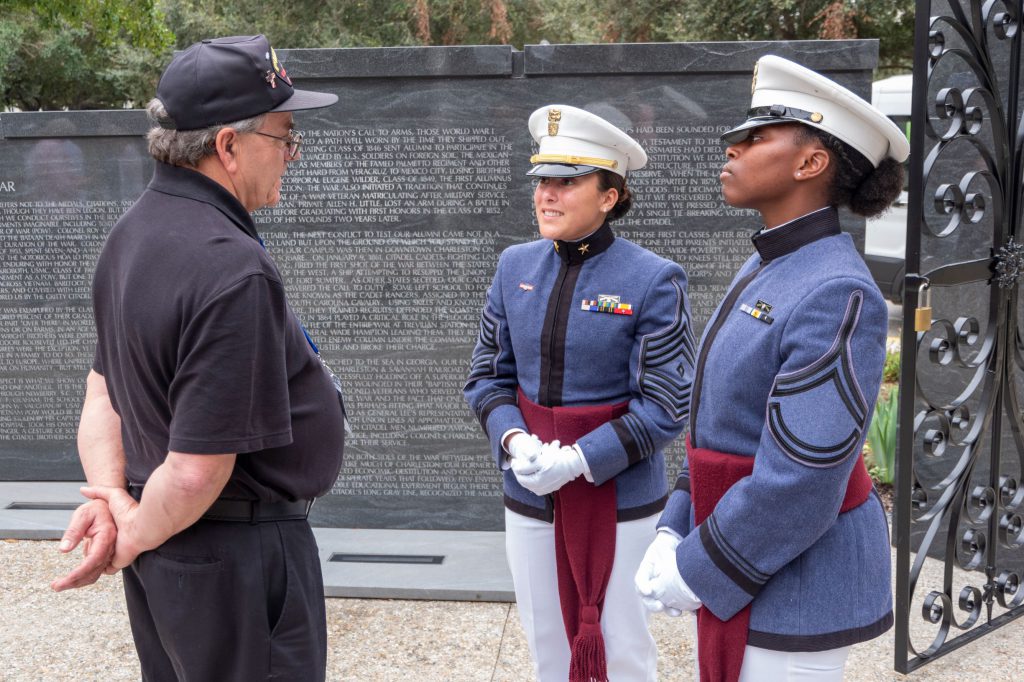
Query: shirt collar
point(191, 184)
point(576, 252)
point(788, 237)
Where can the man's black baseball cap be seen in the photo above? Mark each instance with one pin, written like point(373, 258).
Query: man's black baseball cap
point(222, 80)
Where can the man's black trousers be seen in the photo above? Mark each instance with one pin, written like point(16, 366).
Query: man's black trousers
point(225, 601)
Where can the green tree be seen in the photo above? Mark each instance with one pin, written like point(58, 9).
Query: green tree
point(137, 22)
point(890, 21)
point(561, 21)
point(298, 23)
point(467, 22)
point(80, 54)
point(106, 53)
point(353, 23)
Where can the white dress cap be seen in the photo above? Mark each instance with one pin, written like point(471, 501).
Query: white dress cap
point(575, 142)
point(784, 92)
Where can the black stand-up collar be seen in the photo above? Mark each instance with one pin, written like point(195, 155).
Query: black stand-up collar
point(795, 234)
point(574, 253)
point(190, 184)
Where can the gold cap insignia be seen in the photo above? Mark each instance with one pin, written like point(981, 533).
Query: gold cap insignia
point(554, 116)
point(816, 117)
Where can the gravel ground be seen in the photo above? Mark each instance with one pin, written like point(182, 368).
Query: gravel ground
point(84, 635)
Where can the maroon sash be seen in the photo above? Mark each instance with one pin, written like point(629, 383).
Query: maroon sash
point(720, 644)
point(585, 516)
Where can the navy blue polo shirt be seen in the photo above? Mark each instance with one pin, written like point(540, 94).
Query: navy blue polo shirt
point(201, 352)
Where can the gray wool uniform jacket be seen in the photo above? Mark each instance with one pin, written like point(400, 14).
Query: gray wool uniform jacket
point(549, 330)
point(787, 373)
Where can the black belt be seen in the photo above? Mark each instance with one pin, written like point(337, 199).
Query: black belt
point(255, 511)
point(249, 511)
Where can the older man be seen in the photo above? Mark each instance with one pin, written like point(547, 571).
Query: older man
point(210, 423)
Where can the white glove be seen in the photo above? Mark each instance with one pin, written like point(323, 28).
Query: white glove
point(557, 466)
point(658, 581)
point(525, 450)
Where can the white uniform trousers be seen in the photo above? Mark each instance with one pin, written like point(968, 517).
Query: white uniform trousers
point(629, 648)
point(769, 665)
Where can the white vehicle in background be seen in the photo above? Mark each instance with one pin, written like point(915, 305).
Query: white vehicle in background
point(885, 237)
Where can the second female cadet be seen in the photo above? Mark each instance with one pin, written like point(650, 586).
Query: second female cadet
point(580, 378)
point(773, 532)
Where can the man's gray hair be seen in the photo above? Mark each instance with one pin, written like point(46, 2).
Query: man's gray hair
point(188, 147)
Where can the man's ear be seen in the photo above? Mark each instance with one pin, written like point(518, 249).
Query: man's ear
point(816, 161)
point(226, 144)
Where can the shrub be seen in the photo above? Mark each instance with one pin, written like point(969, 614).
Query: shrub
point(891, 368)
point(882, 437)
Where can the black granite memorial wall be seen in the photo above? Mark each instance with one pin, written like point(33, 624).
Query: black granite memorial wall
point(388, 235)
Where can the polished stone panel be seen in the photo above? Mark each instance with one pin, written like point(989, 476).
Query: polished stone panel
point(388, 234)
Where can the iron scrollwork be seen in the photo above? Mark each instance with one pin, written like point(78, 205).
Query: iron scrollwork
point(959, 517)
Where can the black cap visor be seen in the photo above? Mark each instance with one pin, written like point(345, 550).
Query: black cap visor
point(770, 115)
point(742, 131)
point(560, 170)
point(306, 99)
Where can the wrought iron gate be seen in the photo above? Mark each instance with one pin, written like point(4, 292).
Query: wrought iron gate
point(959, 517)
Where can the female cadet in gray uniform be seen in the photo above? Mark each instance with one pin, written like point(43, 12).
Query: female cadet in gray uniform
point(581, 376)
point(773, 533)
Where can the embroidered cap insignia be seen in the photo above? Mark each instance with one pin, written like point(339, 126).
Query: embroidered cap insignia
point(279, 68)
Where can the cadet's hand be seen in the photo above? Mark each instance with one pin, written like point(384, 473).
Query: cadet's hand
point(658, 581)
point(525, 449)
point(557, 466)
point(93, 523)
point(122, 506)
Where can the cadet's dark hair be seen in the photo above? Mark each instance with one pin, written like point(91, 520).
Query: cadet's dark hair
point(607, 180)
point(866, 190)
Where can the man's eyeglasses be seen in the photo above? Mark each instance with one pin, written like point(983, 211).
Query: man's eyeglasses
point(293, 140)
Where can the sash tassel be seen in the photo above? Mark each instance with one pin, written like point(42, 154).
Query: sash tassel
point(584, 536)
